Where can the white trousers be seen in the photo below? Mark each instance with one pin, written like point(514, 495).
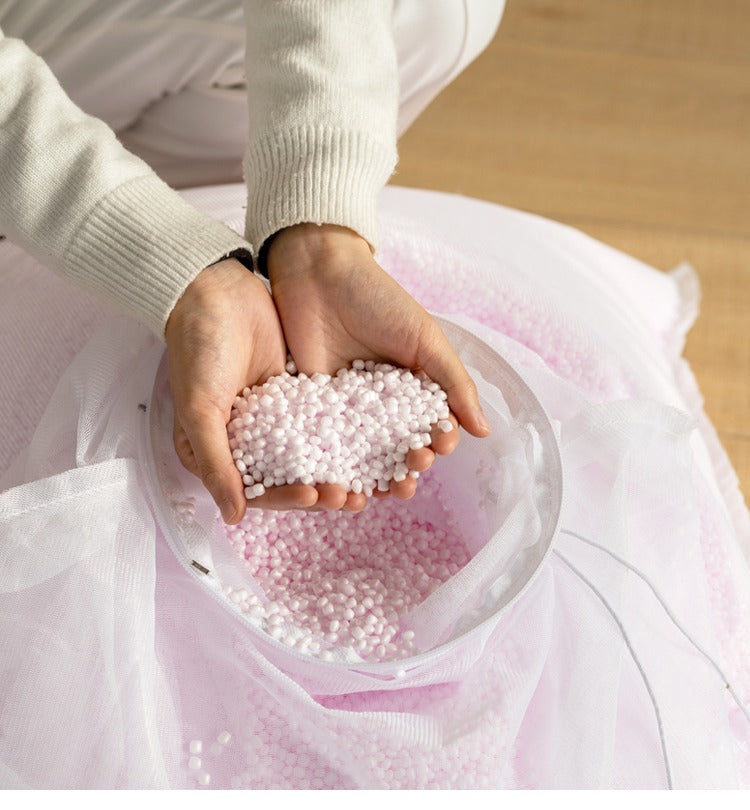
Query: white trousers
point(168, 75)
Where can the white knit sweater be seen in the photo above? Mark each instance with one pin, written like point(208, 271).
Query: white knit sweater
point(322, 94)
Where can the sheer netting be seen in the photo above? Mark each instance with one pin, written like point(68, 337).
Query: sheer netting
point(599, 636)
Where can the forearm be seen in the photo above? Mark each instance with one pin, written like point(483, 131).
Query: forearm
point(74, 197)
point(323, 94)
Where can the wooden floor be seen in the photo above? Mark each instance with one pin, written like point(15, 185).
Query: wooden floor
point(630, 120)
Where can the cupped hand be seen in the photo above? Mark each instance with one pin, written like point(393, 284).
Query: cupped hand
point(223, 335)
point(336, 305)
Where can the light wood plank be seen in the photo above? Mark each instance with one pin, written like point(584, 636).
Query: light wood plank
point(629, 120)
point(560, 132)
point(700, 30)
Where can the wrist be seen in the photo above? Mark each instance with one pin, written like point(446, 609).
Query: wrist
point(311, 247)
point(215, 281)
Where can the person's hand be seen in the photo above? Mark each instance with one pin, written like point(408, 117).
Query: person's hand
point(222, 335)
point(337, 305)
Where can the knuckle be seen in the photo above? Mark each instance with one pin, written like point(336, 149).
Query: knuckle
point(180, 438)
point(470, 385)
point(212, 479)
point(463, 384)
point(431, 335)
point(185, 455)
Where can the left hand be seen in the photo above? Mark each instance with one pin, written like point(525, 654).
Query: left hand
point(336, 305)
point(222, 335)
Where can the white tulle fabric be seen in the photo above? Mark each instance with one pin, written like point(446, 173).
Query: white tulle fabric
point(549, 662)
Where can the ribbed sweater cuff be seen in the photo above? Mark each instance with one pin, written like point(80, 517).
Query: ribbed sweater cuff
point(142, 245)
point(315, 174)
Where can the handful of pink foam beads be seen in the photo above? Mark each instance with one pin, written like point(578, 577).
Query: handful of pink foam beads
point(353, 429)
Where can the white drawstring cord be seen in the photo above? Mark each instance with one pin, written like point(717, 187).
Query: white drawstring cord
point(635, 658)
point(669, 613)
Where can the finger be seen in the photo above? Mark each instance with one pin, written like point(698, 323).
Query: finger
point(420, 460)
point(403, 490)
point(331, 496)
point(445, 442)
point(355, 502)
point(289, 496)
point(379, 494)
point(438, 360)
point(184, 450)
point(206, 432)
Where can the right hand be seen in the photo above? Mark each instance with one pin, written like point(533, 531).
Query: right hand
point(336, 304)
point(223, 335)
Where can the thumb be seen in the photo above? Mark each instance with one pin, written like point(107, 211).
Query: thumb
point(207, 433)
point(441, 363)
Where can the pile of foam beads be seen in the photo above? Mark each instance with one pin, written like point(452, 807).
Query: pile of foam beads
point(353, 429)
point(336, 585)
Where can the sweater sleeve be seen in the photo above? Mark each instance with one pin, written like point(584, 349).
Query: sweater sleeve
point(74, 197)
point(323, 99)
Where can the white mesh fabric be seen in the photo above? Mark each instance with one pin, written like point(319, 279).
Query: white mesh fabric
point(78, 576)
point(113, 655)
point(44, 322)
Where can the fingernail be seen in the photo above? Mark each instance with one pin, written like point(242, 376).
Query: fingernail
point(227, 510)
point(484, 425)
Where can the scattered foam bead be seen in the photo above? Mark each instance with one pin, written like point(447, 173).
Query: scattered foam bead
point(196, 746)
point(194, 763)
point(204, 778)
point(352, 429)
